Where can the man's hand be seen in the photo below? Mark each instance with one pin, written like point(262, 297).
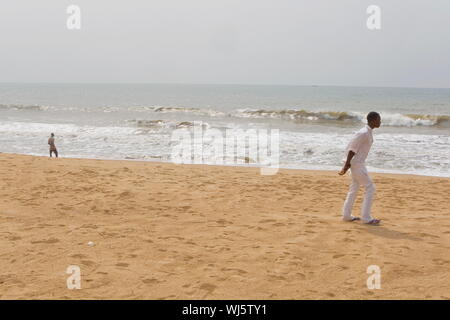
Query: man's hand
point(344, 169)
point(347, 163)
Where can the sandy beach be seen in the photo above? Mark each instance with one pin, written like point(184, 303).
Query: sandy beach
point(165, 231)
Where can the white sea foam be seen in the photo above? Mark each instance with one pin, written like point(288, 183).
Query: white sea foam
point(406, 153)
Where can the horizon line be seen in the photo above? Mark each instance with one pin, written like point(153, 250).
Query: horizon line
point(227, 84)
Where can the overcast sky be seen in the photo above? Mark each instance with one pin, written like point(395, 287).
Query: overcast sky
point(298, 42)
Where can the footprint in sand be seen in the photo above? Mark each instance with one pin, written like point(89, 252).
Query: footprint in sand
point(122, 264)
point(184, 208)
point(171, 297)
point(151, 281)
point(125, 195)
point(78, 256)
point(174, 237)
point(208, 287)
point(275, 277)
point(49, 241)
point(441, 261)
point(267, 220)
point(278, 224)
point(300, 275)
point(88, 263)
point(423, 234)
point(240, 271)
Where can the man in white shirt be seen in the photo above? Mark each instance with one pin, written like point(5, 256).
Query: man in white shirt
point(357, 151)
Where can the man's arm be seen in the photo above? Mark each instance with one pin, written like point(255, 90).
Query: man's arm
point(347, 163)
point(353, 148)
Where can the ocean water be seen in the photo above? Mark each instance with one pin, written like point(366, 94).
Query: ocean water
point(136, 121)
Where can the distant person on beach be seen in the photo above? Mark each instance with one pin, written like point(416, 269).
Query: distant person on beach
point(51, 143)
point(357, 151)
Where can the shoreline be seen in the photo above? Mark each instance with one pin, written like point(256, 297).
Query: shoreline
point(371, 171)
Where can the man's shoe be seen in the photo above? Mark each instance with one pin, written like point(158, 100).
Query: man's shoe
point(373, 222)
point(352, 219)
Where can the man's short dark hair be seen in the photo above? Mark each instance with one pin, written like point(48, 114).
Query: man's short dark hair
point(373, 116)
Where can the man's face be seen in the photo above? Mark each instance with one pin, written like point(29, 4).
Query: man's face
point(377, 122)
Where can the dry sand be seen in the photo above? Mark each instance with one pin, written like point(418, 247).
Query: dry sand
point(164, 231)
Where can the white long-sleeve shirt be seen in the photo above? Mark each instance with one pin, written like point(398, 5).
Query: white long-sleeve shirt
point(360, 144)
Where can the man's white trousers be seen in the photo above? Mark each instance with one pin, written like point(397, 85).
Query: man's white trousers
point(360, 177)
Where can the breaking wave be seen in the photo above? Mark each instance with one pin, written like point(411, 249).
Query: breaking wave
point(388, 119)
point(165, 124)
point(295, 115)
point(23, 107)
